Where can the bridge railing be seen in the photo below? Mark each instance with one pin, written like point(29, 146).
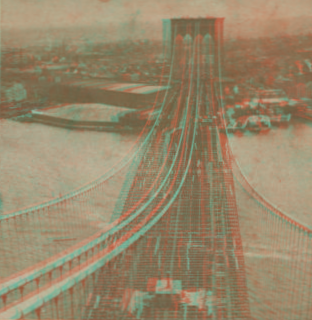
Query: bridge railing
point(121, 236)
point(278, 256)
point(277, 253)
point(34, 234)
point(66, 297)
point(19, 285)
point(37, 276)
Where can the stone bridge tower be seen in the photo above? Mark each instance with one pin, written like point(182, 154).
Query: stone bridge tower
point(181, 33)
point(210, 29)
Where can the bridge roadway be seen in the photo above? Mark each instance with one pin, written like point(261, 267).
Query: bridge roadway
point(190, 264)
point(177, 252)
point(187, 266)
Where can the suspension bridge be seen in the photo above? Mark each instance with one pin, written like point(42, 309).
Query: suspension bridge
point(190, 238)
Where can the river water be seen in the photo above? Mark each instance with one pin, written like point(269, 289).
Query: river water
point(278, 266)
point(40, 162)
point(278, 164)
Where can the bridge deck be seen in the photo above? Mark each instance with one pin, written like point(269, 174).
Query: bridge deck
point(188, 266)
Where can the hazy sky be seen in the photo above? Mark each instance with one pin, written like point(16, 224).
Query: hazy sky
point(51, 13)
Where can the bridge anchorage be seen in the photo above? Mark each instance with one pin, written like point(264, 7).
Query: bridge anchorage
point(174, 248)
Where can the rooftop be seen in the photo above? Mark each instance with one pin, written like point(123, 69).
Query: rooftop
point(137, 88)
point(84, 112)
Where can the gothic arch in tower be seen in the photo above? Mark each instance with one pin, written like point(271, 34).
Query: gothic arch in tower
point(208, 47)
point(187, 39)
point(179, 54)
point(208, 53)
